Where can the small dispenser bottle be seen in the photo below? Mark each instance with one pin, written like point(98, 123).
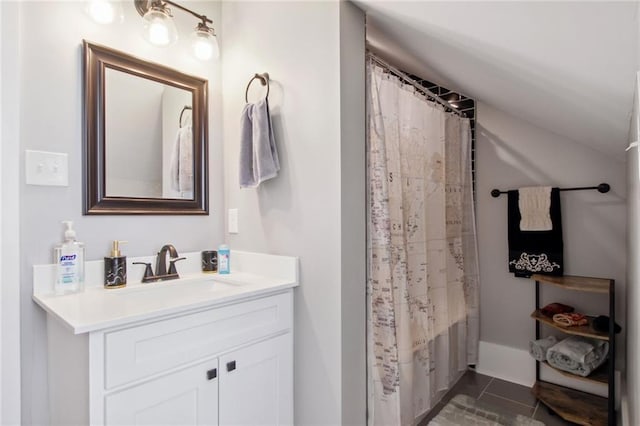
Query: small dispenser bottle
point(224, 260)
point(115, 267)
point(69, 259)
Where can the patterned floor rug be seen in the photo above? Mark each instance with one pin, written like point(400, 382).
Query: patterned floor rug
point(464, 410)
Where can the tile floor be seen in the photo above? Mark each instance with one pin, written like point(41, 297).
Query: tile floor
point(507, 397)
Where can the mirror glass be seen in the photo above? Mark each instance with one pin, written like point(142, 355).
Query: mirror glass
point(145, 136)
point(161, 165)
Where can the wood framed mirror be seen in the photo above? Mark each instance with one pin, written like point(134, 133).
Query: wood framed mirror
point(145, 137)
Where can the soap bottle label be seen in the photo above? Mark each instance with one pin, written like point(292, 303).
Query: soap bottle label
point(68, 268)
point(223, 263)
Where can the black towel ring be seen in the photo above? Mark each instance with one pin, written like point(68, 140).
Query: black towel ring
point(186, 107)
point(264, 80)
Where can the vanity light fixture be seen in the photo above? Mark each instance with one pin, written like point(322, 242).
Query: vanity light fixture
point(160, 30)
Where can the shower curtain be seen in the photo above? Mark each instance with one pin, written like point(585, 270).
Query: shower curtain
point(422, 258)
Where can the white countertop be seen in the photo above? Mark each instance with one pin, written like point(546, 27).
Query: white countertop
point(98, 308)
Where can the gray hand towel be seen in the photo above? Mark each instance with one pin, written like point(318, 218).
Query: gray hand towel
point(258, 154)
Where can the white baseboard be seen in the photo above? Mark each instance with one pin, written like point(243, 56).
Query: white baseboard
point(506, 363)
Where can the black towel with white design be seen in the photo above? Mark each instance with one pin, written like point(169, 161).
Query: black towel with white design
point(535, 252)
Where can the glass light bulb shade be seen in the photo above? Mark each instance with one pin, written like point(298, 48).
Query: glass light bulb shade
point(159, 28)
point(105, 11)
point(204, 45)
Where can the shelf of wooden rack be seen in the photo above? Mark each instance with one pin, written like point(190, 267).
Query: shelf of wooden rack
point(572, 405)
point(578, 330)
point(570, 282)
point(599, 376)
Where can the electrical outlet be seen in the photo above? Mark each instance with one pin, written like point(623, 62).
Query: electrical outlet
point(233, 221)
point(46, 168)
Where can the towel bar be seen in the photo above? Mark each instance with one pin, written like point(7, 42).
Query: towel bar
point(186, 107)
point(264, 80)
point(602, 188)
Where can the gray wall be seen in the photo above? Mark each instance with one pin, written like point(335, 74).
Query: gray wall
point(304, 211)
point(512, 153)
point(353, 209)
point(51, 120)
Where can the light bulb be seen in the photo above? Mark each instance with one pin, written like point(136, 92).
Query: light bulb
point(159, 28)
point(204, 44)
point(158, 33)
point(104, 11)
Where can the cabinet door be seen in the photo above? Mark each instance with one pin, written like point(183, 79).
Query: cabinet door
point(186, 397)
point(256, 384)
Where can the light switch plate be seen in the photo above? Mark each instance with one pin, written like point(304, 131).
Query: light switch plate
point(46, 168)
point(233, 221)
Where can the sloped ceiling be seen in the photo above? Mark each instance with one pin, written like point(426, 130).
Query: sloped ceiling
point(568, 67)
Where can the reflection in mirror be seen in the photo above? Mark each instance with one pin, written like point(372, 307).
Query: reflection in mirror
point(145, 143)
point(161, 165)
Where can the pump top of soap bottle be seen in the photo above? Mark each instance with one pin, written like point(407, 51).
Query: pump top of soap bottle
point(69, 233)
point(115, 251)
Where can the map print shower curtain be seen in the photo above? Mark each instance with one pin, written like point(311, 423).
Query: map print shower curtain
point(422, 257)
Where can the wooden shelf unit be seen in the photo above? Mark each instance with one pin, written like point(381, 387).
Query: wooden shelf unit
point(578, 330)
point(571, 282)
point(570, 404)
point(599, 376)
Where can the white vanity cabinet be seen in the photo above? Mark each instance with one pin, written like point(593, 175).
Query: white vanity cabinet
point(186, 397)
point(227, 365)
point(249, 386)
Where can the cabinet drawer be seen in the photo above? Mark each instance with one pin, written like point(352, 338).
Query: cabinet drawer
point(142, 351)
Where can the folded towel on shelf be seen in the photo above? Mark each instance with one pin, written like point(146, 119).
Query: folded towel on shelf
point(555, 308)
point(535, 252)
point(182, 161)
point(570, 320)
point(578, 355)
point(534, 203)
point(258, 155)
point(538, 348)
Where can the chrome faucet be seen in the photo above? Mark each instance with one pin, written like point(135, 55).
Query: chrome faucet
point(161, 265)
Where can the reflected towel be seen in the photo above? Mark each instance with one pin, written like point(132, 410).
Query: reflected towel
point(182, 161)
point(258, 154)
point(535, 205)
point(578, 355)
point(538, 348)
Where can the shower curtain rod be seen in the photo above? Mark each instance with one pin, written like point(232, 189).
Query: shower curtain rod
point(411, 81)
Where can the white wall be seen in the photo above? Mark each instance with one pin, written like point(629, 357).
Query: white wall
point(51, 119)
point(631, 392)
point(301, 212)
point(512, 153)
point(9, 216)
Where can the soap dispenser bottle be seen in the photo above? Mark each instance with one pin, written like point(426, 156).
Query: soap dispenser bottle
point(224, 259)
point(69, 259)
point(115, 267)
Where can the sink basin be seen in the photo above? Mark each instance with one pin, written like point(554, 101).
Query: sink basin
point(180, 285)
